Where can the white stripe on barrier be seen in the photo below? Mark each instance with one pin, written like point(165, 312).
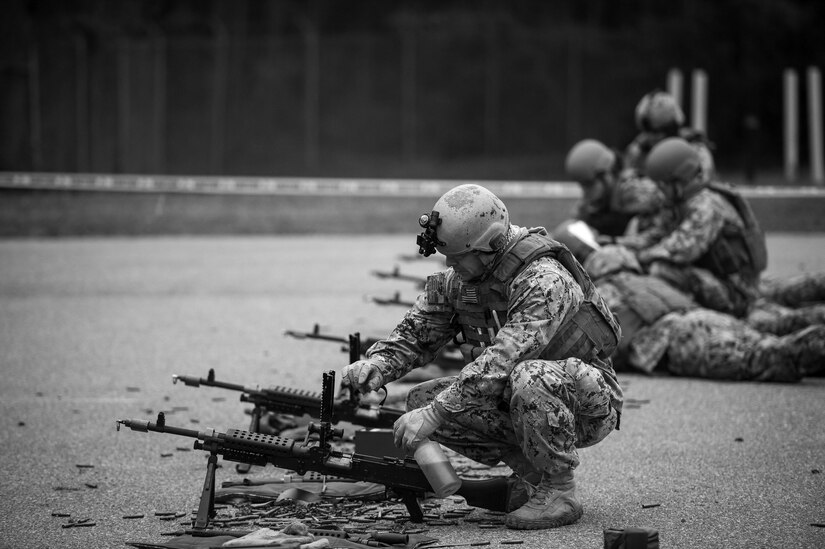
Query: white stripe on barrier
point(320, 186)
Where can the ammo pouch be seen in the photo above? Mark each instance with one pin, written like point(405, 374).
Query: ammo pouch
point(585, 335)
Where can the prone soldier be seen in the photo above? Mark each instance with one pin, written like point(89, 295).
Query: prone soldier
point(665, 330)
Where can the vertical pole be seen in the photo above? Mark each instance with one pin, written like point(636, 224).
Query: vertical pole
point(815, 124)
point(312, 94)
point(35, 114)
point(791, 114)
point(699, 101)
point(674, 85)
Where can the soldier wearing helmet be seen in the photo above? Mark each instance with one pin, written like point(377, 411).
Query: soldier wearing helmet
point(537, 339)
point(611, 194)
point(658, 116)
point(711, 245)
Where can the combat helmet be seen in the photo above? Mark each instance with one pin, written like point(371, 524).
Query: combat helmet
point(588, 159)
point(673, 160)
point(466, 218)
point(658, 112)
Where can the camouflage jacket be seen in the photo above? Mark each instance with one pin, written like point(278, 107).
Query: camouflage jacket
point(541, 297)
point(689, 235)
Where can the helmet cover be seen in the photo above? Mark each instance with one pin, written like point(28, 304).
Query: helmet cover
point(588, 159)
point(470, 217)
point(658, 111)
point(673, 160)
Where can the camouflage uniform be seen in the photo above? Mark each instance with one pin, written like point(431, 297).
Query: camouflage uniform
point(511, 400)
point(661, 328)
point(797, 291)
point(610, 211)
point(690, 230)
point(710, 344)
point(790, 304)
point(771, 317)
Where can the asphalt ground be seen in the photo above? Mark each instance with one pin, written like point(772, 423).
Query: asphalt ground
point(92, 329)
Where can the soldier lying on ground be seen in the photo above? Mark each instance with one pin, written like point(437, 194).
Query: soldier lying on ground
point(665, 330)
point(537, 337)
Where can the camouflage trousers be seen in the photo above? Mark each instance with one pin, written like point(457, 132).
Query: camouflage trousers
point(771, 317)
point(708, 344)
point(546, 411)
point(796, 291)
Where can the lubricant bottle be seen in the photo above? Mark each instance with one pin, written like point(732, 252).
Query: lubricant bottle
point(437, 468)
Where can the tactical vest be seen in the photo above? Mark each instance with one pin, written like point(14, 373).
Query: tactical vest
point(737, 250)
point(644, 300)
point(481, 309)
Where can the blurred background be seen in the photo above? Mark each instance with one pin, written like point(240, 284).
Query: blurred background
point(448, 89)
point(376, 88)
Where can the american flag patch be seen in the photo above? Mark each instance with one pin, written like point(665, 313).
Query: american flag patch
point(469, 294)
point(435, 289)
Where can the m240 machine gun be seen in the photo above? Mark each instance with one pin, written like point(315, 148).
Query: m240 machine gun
point(449, 358)
point(298, 403)
point(396, 274)
point(347, 343)
point(402, 477)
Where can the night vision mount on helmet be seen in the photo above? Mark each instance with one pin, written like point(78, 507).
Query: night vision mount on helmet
point(428, 239)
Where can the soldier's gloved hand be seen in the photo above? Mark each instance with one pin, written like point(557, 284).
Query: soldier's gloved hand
point(416, 425)
point(362, 376)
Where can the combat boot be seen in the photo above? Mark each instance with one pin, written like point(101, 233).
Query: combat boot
point(522, 483)
point(554, 503)
point(520, 489)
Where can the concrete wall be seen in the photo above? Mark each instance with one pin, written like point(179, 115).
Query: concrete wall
point(48, 212)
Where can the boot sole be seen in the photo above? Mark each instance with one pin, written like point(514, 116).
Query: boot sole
point(541, 524)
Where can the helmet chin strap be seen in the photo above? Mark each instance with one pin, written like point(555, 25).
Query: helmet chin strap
point(506, 245)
